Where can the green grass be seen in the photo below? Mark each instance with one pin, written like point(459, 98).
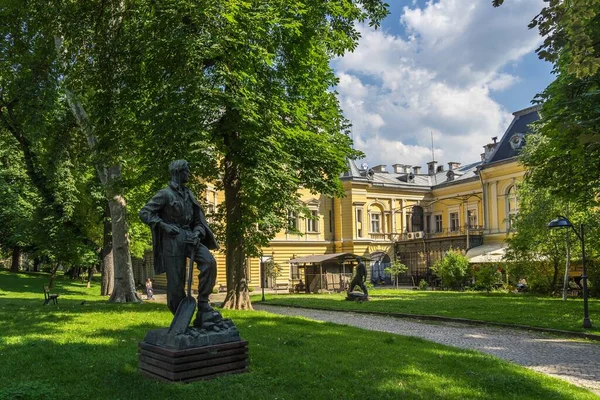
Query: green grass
point(521, 309)
point(88, 351)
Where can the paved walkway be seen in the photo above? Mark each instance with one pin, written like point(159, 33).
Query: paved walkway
point(575, 361)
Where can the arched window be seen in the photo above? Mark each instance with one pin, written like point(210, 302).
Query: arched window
point(512, 206)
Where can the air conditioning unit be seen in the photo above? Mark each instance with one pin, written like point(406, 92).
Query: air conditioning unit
point(419, 235)
point(410, 235)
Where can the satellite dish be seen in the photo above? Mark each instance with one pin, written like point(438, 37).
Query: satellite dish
point(364, 166)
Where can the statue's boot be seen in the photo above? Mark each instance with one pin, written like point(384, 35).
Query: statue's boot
point(206, 315)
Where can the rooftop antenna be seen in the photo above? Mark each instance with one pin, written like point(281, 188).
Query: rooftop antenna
point(352, 133)
point(433, 156)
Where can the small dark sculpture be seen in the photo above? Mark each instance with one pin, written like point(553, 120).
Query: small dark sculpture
point(359, 280)
point(178, 226)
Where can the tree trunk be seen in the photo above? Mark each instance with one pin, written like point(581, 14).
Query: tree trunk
point(36, 264)
point(108, 268)
point(124, 286)
point(124, 289)
point(15, 265)
point(90, 276)
point(53, 275)
point(238, 296)
point(567, 267)
point(555, 276)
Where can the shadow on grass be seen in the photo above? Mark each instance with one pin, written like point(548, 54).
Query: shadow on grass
point(291, 358)
point(22, 317)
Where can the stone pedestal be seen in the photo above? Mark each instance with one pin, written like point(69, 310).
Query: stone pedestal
point(193, 364)
point(357, 296)
point(198, 353)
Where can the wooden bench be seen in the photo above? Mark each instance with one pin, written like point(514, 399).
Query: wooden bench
point(49, 297)
point(281, 286)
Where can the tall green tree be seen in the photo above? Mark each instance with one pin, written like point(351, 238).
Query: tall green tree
point(279, 126)
point(566, 156)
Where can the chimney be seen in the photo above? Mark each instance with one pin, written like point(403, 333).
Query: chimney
point(407, 169)
point(416, 169)
point(453, 165)
point(488, 149)
point(431, 167)
point(399, 168)
point(379, 168)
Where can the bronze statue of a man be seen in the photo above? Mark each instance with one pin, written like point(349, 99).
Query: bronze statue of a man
point(359, 277)
point(176, 219)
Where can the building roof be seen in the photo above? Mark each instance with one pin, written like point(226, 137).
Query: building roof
point(508, 148)
point(514, 138)
point(319, 258)
point(410, 180)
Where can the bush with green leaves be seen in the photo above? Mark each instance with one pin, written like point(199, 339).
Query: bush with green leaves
point(452, 269)
point(423, 285)
point(487, 277)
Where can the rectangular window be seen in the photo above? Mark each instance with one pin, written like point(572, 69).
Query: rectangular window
point(375, 223)
point(454, 224)
point(472, 217)
point(312, 223)
point(359, 222)
point(292, 221)
point(438, 223)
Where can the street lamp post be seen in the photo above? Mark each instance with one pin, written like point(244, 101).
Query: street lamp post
point(563, 222)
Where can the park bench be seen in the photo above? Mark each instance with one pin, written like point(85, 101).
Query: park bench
point(49, 297)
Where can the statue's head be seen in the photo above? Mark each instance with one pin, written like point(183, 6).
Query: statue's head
point(179, 171)
point(358, 259)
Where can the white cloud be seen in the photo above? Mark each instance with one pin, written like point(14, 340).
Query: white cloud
point(435, 79)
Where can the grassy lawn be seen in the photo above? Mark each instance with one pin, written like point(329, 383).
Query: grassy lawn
point(521, 309)
point(88, 351)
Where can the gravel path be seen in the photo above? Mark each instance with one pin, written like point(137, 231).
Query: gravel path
point(577, 362)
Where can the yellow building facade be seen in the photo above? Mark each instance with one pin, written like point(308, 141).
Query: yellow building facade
point(408, 213)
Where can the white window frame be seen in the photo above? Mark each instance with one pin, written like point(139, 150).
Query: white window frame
point(375, 217)
point(438, 223)
point(472, 215)
point(312, 225)
point(511, 214)
point(453, 227)
point(359, 222)
point(292, 218)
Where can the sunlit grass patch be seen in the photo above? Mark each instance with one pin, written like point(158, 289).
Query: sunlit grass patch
point(89, 351)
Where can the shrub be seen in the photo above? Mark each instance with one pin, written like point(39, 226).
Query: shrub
point(538, 275)
point(452, 269)
point(487, 277)
point(423, 285)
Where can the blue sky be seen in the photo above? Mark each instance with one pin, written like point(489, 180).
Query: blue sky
point(451, 69)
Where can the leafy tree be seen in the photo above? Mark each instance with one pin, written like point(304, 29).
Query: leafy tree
point(568, 146)
point(533, 244)
point(452, 269)
point(278, 125)
point(272, 271)
point(395, 269)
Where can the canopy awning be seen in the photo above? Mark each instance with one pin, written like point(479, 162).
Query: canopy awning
point(320, 258)
point(487, 253)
